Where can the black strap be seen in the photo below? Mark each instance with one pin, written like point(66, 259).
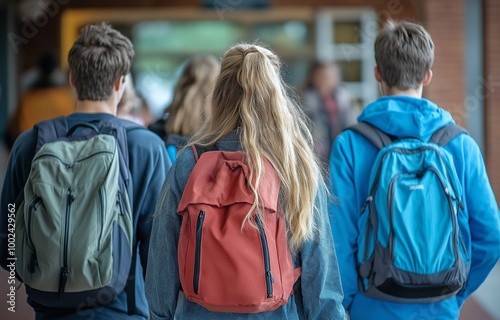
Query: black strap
point(447, 133)
point(81, 124)
point(130, 286)
point(373, 134)
point(50, 130)
point(199, 150)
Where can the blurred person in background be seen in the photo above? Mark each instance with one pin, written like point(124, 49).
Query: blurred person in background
point(328, 104)
point(133, 107)
point(47, 97)
point(186, 113)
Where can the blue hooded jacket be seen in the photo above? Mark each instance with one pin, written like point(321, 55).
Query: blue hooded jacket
point(351, 161)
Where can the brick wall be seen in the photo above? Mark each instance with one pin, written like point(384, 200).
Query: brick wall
point(492, 91)
point(447, 88)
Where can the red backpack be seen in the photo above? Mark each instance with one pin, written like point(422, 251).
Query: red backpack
point(224, 267)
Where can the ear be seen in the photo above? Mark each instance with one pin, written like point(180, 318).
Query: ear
point(378, 76)
point(71, 80)
point(119, 83)
point(427, 78)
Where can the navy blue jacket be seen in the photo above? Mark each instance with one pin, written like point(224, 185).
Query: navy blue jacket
point(148, 164)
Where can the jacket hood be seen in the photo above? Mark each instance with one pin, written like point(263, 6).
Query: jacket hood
point(404, 116)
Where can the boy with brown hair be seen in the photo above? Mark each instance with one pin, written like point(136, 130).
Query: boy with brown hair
point(99, 61)
point(373, 289)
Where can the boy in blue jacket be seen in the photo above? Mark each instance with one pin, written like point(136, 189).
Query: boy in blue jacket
point(404, 53)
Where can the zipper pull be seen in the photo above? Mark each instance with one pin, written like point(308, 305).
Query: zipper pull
point(63, 278)
point(33, 262)
point(71, 196)
point(271, 280)
point(368, 200)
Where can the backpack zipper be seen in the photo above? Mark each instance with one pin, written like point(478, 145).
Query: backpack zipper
point(199, 229)
point(67, 165)
point(379, 169)
point(70, 165)
point(32, 208)
point(390, 200)
point(63, 278)
point(92, 155)
point(267, 264)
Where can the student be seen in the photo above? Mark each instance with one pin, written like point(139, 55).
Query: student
point(132, 106)
point(99, 61)
point(404, 54)
point(188, 108)
point(251, 111)
point(328, 104)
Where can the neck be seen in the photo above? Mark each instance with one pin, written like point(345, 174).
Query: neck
point(393, 91)
point(90, 106)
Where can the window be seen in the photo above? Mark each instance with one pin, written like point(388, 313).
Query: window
point(347, 37)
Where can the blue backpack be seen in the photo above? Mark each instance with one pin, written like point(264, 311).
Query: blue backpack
point(410, 246)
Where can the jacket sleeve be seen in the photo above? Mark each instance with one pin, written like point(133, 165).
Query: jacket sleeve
point(149, 165)
point(344, 215)
point(484, 222)
point(162, 276)
point(321, 286)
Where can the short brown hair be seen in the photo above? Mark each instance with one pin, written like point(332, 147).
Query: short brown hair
point(97, 59)
point(404, 51)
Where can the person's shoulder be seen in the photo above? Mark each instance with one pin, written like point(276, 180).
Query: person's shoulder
point(464, 145)
point(186, 156)
point(348, 136)
point(184, 163)
point(140, 135)
point(181, 169)
point(25, 143)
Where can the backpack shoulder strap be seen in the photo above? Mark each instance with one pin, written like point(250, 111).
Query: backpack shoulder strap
point(50, 130)
point(373, 134)
point(447, 133)
point(198, 150)
point(122, 128)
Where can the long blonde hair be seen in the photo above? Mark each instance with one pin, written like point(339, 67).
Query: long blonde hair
point(250, 95)
point(188, 108)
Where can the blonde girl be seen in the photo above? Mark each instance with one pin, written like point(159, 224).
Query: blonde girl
point(251, 110)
